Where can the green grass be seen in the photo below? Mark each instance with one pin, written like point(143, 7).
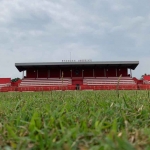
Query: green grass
point(83, 120)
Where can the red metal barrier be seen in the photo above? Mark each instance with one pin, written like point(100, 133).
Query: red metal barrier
point(5, 80)
point(73, 87)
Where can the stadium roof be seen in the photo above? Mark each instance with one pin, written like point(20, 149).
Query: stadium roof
point(128, 64)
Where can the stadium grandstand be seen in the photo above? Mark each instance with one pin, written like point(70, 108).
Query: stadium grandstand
point(76, 75)
point(80, 74)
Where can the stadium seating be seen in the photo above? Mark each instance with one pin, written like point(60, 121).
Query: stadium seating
point(45, 82)
point(5, 85)
point(146, 82)
point(108, 81)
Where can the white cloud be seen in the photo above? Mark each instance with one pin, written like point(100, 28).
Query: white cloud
point(46, 30)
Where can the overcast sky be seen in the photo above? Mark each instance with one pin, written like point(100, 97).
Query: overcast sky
point(48, 30)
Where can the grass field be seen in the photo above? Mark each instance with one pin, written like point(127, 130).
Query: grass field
point(83, 120)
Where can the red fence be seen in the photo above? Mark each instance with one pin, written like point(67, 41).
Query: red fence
point(33, 88)
point(73, 87)
point(144, 87)
point(5, 80)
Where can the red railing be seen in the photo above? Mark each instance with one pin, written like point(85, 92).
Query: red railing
point(73, 87)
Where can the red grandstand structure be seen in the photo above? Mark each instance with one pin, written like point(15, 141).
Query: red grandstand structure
point(76, 75)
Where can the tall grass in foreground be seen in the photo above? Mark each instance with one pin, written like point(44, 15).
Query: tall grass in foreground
point(84, 120)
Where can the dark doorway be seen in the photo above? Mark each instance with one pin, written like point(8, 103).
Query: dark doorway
point(77, 86)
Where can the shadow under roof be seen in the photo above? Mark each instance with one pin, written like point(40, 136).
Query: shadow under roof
point(128, 64)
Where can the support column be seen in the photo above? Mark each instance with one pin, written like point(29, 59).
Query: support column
point(119, 72)
point(60, 73)
point(37, 74)
point(93, 73)
point(48, 74)
point(23, 75)
point(130, 73)
point(71, 73)
point(104, 72)
point(82, 74)
point(116, 72)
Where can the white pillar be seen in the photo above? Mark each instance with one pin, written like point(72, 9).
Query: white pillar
point(23, 75)
point(130, 73)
